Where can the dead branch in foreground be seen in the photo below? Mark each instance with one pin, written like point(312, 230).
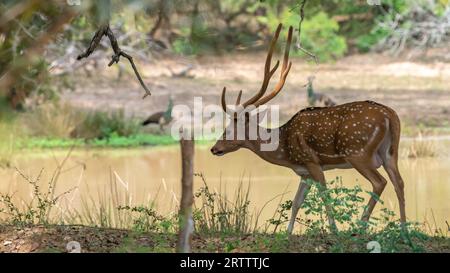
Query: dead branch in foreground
point(186, 221)
point(105, 30)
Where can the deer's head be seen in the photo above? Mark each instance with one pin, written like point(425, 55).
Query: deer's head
point(237, 133)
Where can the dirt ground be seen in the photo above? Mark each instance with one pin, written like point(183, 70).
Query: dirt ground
point(419, 92)
point(56, 239)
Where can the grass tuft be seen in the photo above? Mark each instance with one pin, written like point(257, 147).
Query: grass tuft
point(420, 147)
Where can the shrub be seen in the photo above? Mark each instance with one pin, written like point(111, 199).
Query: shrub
point(38, 210)
point(53, 120)
point(347, 204)
point(104, 125)
point(218, 214)
point(184, 47)
point(62, 121)
point(366, 42)
point(413, 24)
point(421, 148)
point(319, 34)
point(147, 219)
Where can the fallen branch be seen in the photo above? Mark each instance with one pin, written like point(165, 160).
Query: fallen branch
point(105, 30)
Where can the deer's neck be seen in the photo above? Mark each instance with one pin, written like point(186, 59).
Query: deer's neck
point(279, 155)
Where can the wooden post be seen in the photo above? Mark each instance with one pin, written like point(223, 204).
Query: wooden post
point(186, 222)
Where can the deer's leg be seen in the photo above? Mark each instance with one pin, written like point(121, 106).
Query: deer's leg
point(394, 175)
point(375, 178)
point(317, 175)
point(297, 202)
point(389, 155)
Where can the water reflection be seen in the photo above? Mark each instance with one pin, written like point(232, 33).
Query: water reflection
point(141, 175)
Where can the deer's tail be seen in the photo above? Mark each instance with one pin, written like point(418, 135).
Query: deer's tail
point(394, 129)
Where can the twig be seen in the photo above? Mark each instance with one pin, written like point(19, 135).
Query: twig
point(105, 30)
point(299, 44)
point(24, 29)
point(29, 179)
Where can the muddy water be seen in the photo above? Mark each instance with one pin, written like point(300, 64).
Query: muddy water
point(136, 176)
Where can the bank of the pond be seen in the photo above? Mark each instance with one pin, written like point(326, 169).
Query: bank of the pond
point(92, 239)
point(145, 139)
point(139, 140)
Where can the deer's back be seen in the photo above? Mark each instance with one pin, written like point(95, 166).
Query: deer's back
point(332, 133)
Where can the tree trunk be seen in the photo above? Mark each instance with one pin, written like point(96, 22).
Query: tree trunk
point(186, 222)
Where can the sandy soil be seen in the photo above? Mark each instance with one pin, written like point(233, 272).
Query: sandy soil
point(57, 238)
point(419, 92)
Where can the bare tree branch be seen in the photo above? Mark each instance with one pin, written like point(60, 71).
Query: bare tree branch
point(105, 30)
point(418, 28)
point(299, 44)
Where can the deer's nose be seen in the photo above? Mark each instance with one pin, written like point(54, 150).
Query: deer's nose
point(216, 151)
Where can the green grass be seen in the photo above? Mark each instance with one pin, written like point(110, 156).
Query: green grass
point(113, 142)
point(21, 140)
point(137, 140)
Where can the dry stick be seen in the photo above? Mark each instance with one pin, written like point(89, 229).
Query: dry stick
point(299, 45)
point(186, 222)
point(105, 30)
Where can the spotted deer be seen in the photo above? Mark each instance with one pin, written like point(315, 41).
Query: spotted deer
point(362, 135)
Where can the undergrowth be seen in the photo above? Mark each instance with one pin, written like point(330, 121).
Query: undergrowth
point(218, 215)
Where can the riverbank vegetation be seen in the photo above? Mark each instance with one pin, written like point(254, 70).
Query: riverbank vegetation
point(60, 125)
point(223, 223)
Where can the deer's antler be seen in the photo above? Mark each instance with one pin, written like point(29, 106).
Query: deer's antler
point(225, 107)
point(258, 98)
point(285, 68)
